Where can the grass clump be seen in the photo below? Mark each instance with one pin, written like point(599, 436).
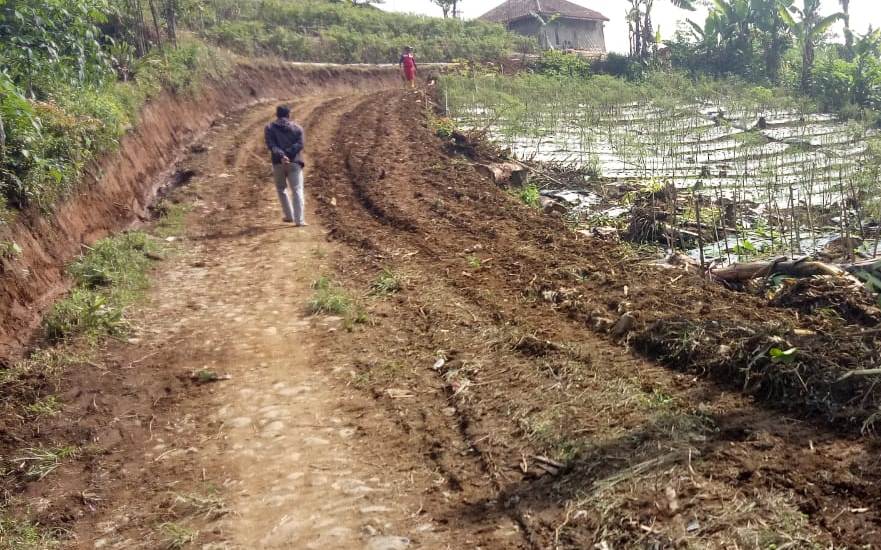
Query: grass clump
point(19, 534)
point(47, 406)
point(172, 219)
point(176, 536)
point(530, 195)
point(331, 299)
point(46, 364)
point(387, 283)
point(108, 278)
point(38, 462)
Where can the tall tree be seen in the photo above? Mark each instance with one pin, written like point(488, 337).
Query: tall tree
point(445, 6)
point(775, 35)
point(848, 33)
point(809, 29)
point(642, 32)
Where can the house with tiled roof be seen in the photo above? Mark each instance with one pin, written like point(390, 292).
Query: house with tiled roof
point(558, 24)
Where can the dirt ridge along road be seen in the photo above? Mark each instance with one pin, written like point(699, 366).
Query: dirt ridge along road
point(466, 412)
point(645, 455)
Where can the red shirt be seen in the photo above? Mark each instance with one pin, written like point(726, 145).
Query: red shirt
point(408, 61)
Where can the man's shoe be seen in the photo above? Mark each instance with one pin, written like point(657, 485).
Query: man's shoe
point(304, 224)
point(287, 220)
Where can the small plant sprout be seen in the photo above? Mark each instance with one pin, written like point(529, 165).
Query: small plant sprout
point(474, 262)
point(782, 356)
point(530, 195)
point(387, 283)
point(176, 536)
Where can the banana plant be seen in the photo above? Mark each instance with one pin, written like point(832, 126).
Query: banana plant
point(775, 33)
point(642, 34)
point(809, 29)
point(848, 33)
point(709, 36)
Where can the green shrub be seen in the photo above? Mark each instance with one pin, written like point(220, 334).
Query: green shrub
point(530, 195)
point(387, 283)
point(557, 63)
point(50, 141)
point(331, 299)
point(319, 31)
point(108, 278)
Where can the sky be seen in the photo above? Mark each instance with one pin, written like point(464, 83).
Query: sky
point(863, 14)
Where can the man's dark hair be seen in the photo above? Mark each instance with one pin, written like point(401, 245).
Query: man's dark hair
point(282, 111)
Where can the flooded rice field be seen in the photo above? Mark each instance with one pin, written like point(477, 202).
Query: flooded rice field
point(769, 175)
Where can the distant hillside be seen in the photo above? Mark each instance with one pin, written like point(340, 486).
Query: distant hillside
point(323, 31)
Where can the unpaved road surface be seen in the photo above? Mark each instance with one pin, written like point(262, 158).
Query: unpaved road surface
point(464, 409)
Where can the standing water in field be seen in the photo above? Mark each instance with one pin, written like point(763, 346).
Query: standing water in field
point(768, 173)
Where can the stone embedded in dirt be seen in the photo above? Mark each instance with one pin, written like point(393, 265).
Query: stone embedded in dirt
point(241, 422)
point(292, 392)
point(602, 324)
point(352, 487)
point(347, 433)
point(273, 429)
point(554, 208)
point(388, 543)
point(369, 510)
point(624, 325)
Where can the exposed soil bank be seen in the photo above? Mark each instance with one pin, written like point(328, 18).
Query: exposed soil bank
point(120, 186)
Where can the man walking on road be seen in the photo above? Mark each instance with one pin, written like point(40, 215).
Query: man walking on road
point(285, 140)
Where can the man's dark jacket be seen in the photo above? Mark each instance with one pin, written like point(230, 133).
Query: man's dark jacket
point(285, 138)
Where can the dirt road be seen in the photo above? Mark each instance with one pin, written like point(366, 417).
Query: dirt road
point(464, 409)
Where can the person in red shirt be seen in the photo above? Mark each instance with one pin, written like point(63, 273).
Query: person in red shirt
point(408, 65)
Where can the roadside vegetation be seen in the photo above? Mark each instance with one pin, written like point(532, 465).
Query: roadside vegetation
point(314, 30)
point(109, 278)
point(788, 43)
point(74, 75)
point(73, 78)
point(331, 298)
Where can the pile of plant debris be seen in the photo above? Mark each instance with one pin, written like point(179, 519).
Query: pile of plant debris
point(837, 295)
point(824, 373)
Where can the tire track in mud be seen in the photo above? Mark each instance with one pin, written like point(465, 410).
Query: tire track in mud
point(447, 215)
point(462, 470)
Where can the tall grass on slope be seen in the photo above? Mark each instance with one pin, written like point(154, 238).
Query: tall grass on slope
point(108, 278)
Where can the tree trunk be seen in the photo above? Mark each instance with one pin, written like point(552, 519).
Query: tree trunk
point(848, 33)
point(171, 20)
point(772, 59)
point(156, 26)
point(807, 65)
